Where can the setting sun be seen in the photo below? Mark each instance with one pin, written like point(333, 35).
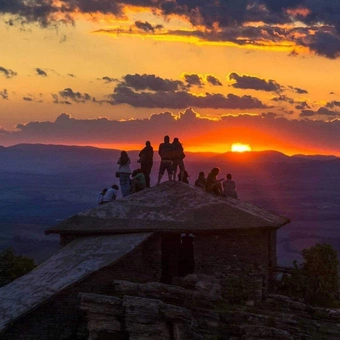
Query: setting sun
point(238, 147)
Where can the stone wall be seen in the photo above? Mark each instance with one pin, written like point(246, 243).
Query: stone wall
point(216, 255)
point(61, 317)
point(233, 250)
point(150, 317)
point(156, 311)
point(136, 318)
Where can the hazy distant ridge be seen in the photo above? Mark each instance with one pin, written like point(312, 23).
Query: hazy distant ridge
point(42, 158)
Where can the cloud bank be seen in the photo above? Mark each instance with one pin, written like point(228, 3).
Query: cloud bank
point(264, 131)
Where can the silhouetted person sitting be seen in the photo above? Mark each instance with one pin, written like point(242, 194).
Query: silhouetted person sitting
point(229, 187)
point(165, 152)
point(138, 181)
point(146, 162)
point(213, 185)
point(111, 194)
point(201, 181)
point(100, 196)
point(183, 177)
point(177, 158)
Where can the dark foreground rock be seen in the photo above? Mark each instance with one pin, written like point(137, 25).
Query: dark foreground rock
point(201, 311)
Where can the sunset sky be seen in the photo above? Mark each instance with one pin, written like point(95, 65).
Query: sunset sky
point(263, 73)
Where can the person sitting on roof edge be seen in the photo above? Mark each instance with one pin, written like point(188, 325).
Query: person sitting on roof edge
point(111, 194)
point(100, 196)
point(138, 182)
point(201, 181)
point(229, 187)
point(213, 185)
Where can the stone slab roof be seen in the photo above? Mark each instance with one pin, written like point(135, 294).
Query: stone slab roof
point(71, 264)
point(171, 206)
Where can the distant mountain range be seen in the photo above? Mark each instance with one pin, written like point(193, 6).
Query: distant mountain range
point(54, 158)
point(43, 184)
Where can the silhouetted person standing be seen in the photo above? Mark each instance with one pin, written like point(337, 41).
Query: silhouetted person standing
point(146, 162)
point(124, 172)
point(177, 158)
point(165, 151)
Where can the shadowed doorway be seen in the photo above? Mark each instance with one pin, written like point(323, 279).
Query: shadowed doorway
point(177, 256)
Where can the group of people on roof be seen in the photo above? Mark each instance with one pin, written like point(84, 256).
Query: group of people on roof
point(172, 156)
point(172, 160)
point(217, 186)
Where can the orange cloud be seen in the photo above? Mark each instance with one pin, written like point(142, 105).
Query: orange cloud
point(301, 11)
point(196, 133)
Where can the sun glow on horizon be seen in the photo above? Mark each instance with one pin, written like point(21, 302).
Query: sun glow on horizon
point(238, 147)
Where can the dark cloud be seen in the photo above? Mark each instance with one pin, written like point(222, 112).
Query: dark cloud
point(215, 20)
point(147, 27)
point(298, 90)
point(283, 98)
point(302, 106)
point(32, 98)
point(69, 94)
point(269, 115)
point(108, 79)
point(212, 80)
point(316, 11)
point(40, 72)
point(150, 82)
point(254, 83)
point(322, 111)
point(307, 113)
point(321, 40)
point(333, 104)
point(193, 79)
point(326, 44)
point(4, 94)
point(56, 100)
point(47, 12)
point(180, 99)
point(7, 72)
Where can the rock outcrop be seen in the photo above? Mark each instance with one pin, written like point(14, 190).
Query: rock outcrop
point(197, 307)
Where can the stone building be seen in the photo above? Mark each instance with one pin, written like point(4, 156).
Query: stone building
point(156, 235)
